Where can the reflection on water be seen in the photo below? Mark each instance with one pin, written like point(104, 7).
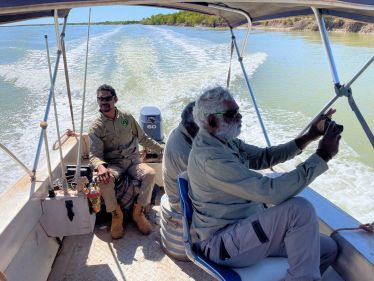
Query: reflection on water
point(344, 38)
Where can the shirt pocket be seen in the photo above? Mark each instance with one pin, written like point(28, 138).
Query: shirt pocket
point(229, 247)
point(109, 140)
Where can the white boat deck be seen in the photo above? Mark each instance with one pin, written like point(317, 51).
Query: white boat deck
point(97, 256)
point(134, 257)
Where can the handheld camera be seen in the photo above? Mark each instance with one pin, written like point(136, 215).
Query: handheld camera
point(339, 128)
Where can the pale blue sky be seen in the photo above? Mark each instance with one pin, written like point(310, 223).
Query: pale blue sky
point(107, 13)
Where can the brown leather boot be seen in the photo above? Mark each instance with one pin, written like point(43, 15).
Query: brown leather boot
point(116, 229)
point(138, 217)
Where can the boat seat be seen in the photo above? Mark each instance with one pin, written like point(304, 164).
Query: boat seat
point(269, 269)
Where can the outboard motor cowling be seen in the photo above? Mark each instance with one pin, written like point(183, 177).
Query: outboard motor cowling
point(150, 122)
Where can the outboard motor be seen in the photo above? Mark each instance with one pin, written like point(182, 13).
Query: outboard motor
point(150, 122)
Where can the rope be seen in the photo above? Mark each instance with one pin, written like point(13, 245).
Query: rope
point(366, 227)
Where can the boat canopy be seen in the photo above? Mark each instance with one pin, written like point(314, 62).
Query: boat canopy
point(257, 10)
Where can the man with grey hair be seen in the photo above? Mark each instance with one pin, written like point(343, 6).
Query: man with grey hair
point(232, 224)
point(176, 154)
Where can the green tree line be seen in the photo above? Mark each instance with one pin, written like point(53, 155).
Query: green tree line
point(185, 19)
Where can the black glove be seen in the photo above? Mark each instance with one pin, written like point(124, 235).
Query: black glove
point(328, 146)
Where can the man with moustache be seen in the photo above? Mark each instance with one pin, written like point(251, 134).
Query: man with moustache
point(232, 224)
point(114, 149)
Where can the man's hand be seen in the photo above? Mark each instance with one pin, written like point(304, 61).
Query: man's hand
point(143, 155)
point(317, 129)
point(328, 146)
point(104, 175)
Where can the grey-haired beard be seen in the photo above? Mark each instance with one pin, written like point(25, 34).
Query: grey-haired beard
point(228, 131)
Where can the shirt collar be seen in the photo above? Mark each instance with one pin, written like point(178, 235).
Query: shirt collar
point(209, 137)
point(184, 130)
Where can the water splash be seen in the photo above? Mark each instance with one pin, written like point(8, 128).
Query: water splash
point(166, 67)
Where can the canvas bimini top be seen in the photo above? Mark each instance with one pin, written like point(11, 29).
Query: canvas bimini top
point(257, 10)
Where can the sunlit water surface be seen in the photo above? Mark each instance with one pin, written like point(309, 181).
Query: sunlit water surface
point(169, 66)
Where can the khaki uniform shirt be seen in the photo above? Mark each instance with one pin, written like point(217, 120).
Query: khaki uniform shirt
point(175, 161)
point(225, 188)
point(113, 140)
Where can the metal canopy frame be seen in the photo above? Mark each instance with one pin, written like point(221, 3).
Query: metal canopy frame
point(50, 96)
point(240, 60)
point(340, 90)
point(362, 10)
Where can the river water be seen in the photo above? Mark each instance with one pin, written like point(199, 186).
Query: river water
point(169, 66)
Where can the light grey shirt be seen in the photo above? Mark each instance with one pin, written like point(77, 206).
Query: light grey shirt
point(175, 161)
point(225, 188)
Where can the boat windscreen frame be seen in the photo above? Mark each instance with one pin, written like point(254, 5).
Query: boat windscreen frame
point(340, 90)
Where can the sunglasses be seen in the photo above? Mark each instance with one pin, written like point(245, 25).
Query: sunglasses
point(233, 113)
point(108, 98)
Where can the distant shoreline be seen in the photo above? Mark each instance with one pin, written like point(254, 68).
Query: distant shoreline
point(284, 24)
point(309, 24)
point(77, 23)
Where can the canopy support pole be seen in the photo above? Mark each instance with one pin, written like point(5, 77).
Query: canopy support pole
point(340, 90)
point(48, 106)
point(326, 44)
point(244, 14)
point(27, 170)
point(79, 156)
point(67, 77)
point(334, 72)
point(44, 126)
point(62, 166)
point(240, 59)
point(359, 72)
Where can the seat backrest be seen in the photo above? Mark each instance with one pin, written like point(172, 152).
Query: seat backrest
point(278, 266)
point(193, 253)
point(186, 209)
point(186, 204)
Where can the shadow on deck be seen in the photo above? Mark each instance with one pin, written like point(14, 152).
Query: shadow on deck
point(134, 257)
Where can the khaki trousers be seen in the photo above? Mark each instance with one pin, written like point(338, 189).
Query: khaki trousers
point(139, 171)
point(289, 229)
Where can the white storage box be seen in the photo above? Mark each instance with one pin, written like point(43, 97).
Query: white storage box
point(67, 215)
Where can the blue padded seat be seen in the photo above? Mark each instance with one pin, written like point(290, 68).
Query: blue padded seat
point(269, 269)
